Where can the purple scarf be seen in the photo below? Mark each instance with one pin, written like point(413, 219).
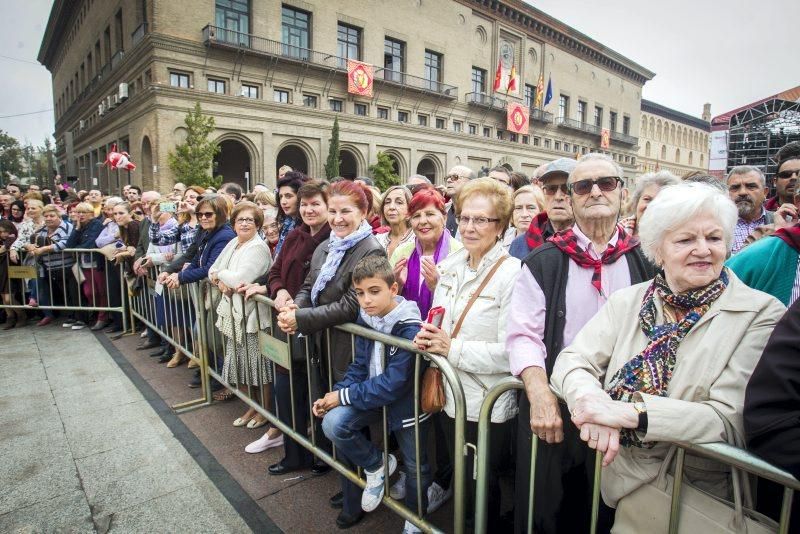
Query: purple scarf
point(412, 289)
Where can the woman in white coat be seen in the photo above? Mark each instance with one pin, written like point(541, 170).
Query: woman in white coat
point(668, 360)
point(477, 350)
point(243, 260)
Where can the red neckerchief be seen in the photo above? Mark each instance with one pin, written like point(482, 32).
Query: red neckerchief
point(535, 234)
point(791, 235)
point(567, 242)
point(772, 204)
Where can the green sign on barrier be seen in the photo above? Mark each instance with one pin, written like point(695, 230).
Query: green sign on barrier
point(274, 349)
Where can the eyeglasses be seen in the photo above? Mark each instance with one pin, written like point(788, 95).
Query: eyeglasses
point(205, 214)
point(604, 183)
point(550, 190)
point(453, 178)
point(243, 220)
point(478, 222)
point(137, 212)
point(788, 174)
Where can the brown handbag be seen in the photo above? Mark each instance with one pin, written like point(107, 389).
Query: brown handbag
point(432, 398)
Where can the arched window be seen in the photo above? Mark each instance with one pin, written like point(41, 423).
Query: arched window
point(647, 150)
point(643, 128)
point(652, 128)
point(663, 152)
point(701, 160)
point(658, 131)
point(672, 134)
point(677, 155)
point(691, 158)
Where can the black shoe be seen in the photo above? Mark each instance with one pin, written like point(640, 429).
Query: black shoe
point(346, 520)
point(165, 358)
point(114, 329)
point(159, 353)
point(99, 325)
point(115, 337)
point(196, 383)
point(320, 469)
point(148, 345)
point(336, 500)
point(280, 469)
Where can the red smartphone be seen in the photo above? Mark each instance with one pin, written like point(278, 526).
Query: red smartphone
point(435, 316)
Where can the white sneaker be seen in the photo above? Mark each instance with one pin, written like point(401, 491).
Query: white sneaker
point(263, 443)
point(410, 528)
point(398, 489)
point(79, 325)
point(437, 496)
point(68, 323)
point(143, 334)
point(373, 492)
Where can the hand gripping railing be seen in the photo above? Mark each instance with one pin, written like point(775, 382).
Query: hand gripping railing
point(720, 452)
point(312, 444)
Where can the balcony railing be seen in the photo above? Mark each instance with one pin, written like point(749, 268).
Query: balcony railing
point(624, 139)
point(580, 126)
point(116, 58)
point(541, 115)
point(138, 34)
point(221, 37)
point(485, 101)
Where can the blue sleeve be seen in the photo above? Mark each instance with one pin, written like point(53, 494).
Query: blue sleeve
point(195, 272)
point(90, 235)
point(519, 247)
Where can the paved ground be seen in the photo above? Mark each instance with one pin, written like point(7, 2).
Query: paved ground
point(83, 450)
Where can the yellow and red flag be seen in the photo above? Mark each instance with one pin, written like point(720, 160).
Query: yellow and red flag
point(359, 78)
point(498, 76)
point(539, 92)
point(517, 118)
point(605, 138)
point(512, 80)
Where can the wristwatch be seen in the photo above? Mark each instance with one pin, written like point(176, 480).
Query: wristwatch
point(641, 409)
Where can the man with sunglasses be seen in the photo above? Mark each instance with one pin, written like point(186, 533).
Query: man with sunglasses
point(557, 214)
point(457, 177)
point(785, 178)
point(563, 283)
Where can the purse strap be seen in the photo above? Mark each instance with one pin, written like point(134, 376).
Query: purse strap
point(477, 294)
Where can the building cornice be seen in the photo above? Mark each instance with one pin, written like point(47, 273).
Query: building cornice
point(61, 16)
point(648, 106)
point(535, 22)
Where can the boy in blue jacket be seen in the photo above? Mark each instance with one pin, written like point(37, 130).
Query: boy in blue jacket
point(380, 376)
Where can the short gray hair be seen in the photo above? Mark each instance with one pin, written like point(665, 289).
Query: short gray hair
point(597, 156)
point(746, 169)
point(420, 177)
point(463, 171)
point(113, 201)
point(660, 178)
point(676, 205)
point(501, 169)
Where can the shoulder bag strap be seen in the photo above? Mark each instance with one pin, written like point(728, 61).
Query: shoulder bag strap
point(475, 296)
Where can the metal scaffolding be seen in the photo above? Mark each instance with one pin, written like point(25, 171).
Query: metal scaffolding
point(758, 132)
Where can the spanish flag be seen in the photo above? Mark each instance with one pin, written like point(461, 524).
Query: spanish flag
point(512, 80)
point(539, 92)
point(498, 77)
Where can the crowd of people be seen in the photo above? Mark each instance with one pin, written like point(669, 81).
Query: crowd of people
point(633, 319)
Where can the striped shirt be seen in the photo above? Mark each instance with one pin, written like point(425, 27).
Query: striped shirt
point(56, 259)
point(184, 233)
point(744, 228)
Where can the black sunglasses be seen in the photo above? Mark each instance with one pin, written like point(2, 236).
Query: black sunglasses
point(788, 174)
point(551, 189)
point(604, 183)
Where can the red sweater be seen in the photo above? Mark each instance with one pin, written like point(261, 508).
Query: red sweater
point(293, 263)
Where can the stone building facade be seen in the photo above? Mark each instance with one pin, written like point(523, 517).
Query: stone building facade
point(273, 76)
point(673, 141)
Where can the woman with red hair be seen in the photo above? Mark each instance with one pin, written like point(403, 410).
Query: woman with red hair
point(415, 261)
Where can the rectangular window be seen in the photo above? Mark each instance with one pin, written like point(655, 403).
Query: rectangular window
point(558, 145)
point(107, 43)
point(440, 123)
point(612, 121)
point(526, 140)
point(512, 137)
point(473, 129)
point(361, 109)
point(280, 96)
point(566, 147)
point(402, 116)
point(626, 125)
point(487, 132)
point(433, 69)
point(394, 53)
point(478, 80)
point(581, 111)
point(563, 106)
point(295, 26)
point(627, 159)
point(310, 101)
point(530, 95)
point(457, 126)
point(98, 63)
point(178, 79)
point(250, 91)
point(422, 120)
point(547, 143)
point(575, 149)
point(348, 40)
point(118, 30)
point(584, 150)
point(537, 141)
point(336, 105)
point(383, 113)
point(216, 86)
point(598, 116)
point(232, 17)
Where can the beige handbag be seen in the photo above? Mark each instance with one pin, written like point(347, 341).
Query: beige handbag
point(647, 508)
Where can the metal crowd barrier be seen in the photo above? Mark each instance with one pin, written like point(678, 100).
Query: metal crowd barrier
point(720, 452)
point(196, 305)
point(62, 287)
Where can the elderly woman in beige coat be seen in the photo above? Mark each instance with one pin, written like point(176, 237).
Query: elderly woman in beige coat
point(668, 360)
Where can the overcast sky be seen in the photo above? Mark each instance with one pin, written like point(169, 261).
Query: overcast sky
point(726, 52)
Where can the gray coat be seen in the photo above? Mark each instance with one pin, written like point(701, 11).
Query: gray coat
point(337, 304)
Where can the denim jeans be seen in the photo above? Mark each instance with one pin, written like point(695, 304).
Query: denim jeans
point(344, 424)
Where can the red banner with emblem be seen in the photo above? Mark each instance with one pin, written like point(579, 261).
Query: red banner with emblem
point(605, 138)
point(517, 118)
point(359, 78)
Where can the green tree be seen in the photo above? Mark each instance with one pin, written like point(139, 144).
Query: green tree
point(191, 160)
point(383, 172)
point(10, 157)
point(332, 165)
